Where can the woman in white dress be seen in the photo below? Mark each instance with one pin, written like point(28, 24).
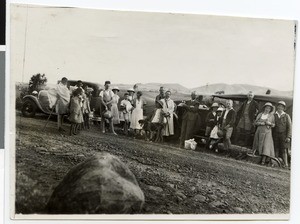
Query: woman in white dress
point(114, 106)
point(168, 112)
point(137, 113)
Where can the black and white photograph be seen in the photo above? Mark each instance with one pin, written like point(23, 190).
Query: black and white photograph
point(127, 113)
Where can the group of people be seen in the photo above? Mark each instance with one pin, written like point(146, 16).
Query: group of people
point(75, 102)
point(272, 128)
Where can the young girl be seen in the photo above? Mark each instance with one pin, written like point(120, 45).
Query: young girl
point(214, 138)
point(125, 112)
point(157, 123)
point(76, 117)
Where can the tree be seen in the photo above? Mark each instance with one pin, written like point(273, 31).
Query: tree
point(36, 81)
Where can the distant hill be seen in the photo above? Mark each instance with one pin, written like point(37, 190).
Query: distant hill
point(238, 88)
point(154, 87)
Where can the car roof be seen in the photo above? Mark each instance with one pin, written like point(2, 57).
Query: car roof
point(264, 98)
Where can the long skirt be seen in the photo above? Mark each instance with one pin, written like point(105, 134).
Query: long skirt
point(115, 113)
point(263, 141)
point(137, 114)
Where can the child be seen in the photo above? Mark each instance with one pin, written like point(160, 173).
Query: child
point(76, 117)
point(214, 138)
point(86, 110)
point(125, 109)
point(157, 121)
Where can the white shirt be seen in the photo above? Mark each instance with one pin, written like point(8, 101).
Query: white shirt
point(279, 115)
point(264, 116)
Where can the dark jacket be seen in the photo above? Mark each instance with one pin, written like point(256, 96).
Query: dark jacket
point(230, 118)
point(210, 119)
point(253, 110)
point(191, 110)
point(283, 125)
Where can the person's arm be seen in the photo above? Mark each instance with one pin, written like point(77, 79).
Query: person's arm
point(257, 122)
point(289, 128)
point(271, 121)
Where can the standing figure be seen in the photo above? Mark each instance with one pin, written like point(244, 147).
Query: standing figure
point(114, 106)
point(137, 113)
point(86, 109)
point(168, 112)
point(189, 119)
point(245, 120)
point(282, 132)
point(228, 120)
point(161, 94)
point(130, 95)
point(263, 141)
point(62, 103)
point(106, 99)
point(125, 112)
point(75, 117)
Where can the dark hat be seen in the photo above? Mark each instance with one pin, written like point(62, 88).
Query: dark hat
point(107, 82)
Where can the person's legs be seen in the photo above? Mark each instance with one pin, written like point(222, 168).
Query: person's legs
point(227, 142)
point(183, 133)
point(59, 121)
point(111, 124)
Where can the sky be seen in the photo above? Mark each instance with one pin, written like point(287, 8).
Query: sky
point(138, 47)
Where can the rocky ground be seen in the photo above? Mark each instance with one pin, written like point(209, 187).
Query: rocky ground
point(174, 181)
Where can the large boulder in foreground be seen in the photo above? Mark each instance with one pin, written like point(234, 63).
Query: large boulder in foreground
point(100, 185)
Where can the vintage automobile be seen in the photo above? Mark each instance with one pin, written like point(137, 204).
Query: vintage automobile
point(39, 102)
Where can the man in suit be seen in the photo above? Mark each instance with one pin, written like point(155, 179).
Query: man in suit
point(189, 119)
point(228, 120)
point(245, 120)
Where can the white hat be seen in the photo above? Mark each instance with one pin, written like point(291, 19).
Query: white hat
point(130, 90)
point(116, 88)
point(215, 105)
point(220, 109)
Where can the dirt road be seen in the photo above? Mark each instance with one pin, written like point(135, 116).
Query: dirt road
point(174, 181)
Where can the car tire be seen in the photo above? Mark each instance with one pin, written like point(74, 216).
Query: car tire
point(29, 108)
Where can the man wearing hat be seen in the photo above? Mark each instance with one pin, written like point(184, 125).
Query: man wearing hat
point(282, 132)
point(106, 99)
point(210, 118)
point(245, 119)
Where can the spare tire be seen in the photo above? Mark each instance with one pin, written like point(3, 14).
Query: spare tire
point(29, 108)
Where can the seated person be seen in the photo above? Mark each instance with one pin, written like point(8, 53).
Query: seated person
point(214, 137)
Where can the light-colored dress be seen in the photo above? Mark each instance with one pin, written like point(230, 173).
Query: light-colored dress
point(125, 114)
point(137, 114)
point(168, 108)
point(114, 109)
point(263, 141)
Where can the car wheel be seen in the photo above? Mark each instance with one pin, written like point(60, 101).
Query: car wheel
point(29, 108)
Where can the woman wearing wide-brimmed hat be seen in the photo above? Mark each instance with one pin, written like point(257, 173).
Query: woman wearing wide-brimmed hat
point(263, 141)
point(114, 105)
